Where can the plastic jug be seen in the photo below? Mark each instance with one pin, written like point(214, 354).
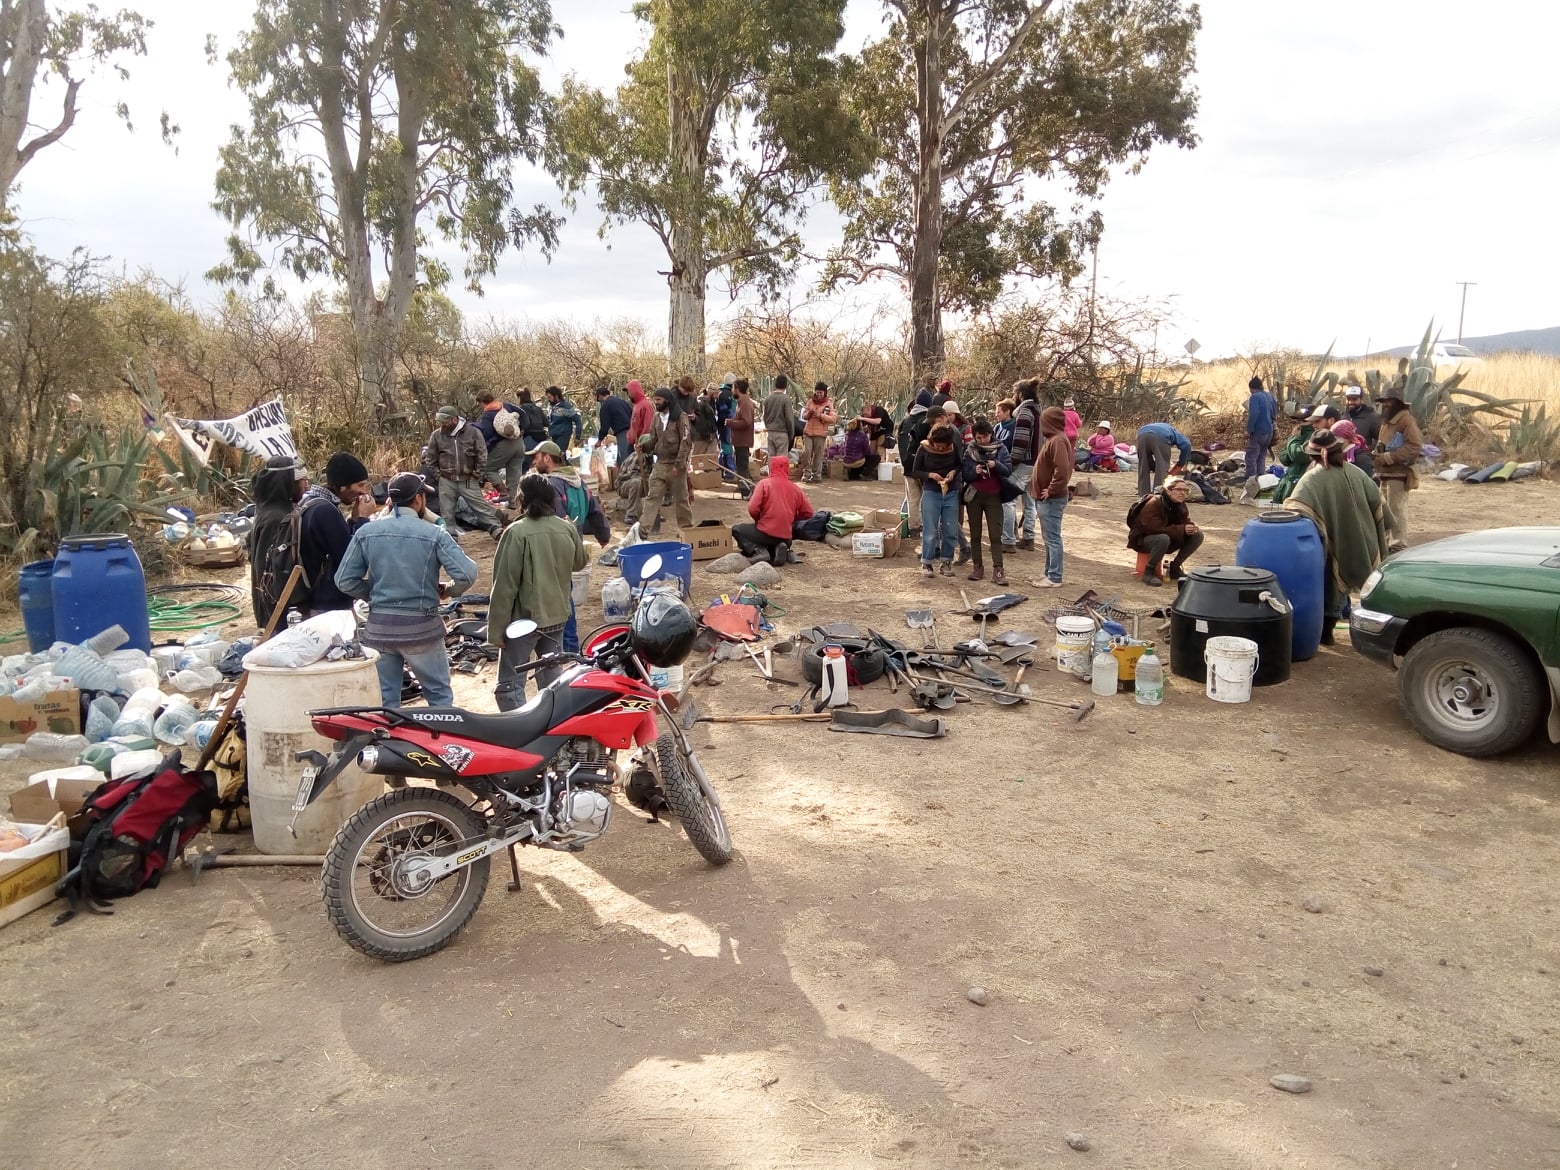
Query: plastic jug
point(836, 686)
point(173, 725)
point(1106, 673)
point(1150, 684)
point(101, 717)
point(616, 596)
point(50, 745)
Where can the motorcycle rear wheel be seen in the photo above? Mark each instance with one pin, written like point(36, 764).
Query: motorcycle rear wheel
point(364, 890)
point(702, 821)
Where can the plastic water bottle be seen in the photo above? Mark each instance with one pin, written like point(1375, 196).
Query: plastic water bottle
point(836, 686)
point(1150, 686)
point(110, 639)
point(1107, 672)
point(50, 745)
point(173, 725)
point(101, 717)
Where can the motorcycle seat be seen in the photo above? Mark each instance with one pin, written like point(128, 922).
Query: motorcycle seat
point(509, 729)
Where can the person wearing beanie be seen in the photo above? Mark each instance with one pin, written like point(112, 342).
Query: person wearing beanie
point(1261, 419)
point(818, 416)
point(393, 564)
point(1074, 422)
point(324, 533)
point(672, 435)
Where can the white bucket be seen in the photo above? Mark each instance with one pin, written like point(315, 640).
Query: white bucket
point(1232, 664)
point(1074, 642)
point(579, 587)
point(889, 472)
point(666, 678)
point(276, 724)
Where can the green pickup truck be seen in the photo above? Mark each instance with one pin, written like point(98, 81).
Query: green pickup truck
point(1472, 626)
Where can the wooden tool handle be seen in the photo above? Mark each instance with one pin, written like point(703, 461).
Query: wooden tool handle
point(226, 717)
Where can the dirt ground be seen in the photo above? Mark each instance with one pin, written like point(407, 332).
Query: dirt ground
point(1129, 889)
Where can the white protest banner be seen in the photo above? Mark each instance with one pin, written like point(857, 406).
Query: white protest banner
point(262, 431)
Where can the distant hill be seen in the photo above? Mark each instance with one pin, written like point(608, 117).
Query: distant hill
point(1546, 341)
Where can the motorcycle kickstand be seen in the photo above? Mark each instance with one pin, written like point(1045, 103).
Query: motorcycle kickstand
point(514, 869)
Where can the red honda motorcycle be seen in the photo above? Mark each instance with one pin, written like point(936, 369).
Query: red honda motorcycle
point(407, 871)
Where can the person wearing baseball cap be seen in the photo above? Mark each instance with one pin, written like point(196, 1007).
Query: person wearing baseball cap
point(1397, 448)
point(394, 565)
point(456, 455)
point(1365, 417)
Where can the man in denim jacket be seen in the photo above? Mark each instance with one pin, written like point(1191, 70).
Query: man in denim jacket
point(393, 564)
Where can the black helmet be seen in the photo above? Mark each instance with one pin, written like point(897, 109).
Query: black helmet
point(664, 630)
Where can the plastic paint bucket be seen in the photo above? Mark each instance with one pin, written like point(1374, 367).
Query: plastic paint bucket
point(1232, 664)
point(1074, 641)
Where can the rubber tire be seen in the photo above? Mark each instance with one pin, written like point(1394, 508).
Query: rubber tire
point(1522, 694)
point(356, 933)
point(870, 662)
point(705, 826)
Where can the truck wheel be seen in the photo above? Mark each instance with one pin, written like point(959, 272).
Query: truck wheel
point(1472, 691)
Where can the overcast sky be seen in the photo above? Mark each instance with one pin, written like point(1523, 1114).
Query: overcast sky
point(1356, 162)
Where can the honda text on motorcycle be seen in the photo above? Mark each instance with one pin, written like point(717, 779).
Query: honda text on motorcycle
point(406, 872)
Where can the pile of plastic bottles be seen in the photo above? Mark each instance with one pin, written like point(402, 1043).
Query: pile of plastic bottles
point(128, 714)
point(225, 531)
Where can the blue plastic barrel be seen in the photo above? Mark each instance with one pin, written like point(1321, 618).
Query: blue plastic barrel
point(37, 604)
point(98, 583)
point(1288, 545)
point(677, 561)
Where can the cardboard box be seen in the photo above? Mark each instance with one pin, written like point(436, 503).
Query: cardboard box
point(710, 541)
point(834, 469)
point(27, 885)
point(57, 711)
point(41, 800)
point(216, 558)
point(882, 522)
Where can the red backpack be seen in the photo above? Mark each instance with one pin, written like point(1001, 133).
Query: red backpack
point(131, 829)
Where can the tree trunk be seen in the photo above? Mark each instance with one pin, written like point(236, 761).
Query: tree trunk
point(27, 32)
point(926, 333)
point(687, 149)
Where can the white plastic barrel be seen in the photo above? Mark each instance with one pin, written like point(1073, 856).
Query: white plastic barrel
point(277, 703)
point(579, 587)
point(1074, 641)
point(1232, 664)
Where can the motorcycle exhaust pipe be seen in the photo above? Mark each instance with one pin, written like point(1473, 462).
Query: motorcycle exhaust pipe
point(391, 758)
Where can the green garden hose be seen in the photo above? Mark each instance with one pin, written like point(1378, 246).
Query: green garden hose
point(168, 616)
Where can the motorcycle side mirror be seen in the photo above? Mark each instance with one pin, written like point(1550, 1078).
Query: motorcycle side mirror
point(651, 568)
point(520, 629)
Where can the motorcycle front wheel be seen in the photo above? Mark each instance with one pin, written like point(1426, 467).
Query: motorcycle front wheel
point(372, 897)
point(702, 821)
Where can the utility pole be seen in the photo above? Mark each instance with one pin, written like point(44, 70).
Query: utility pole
point(1464, 308)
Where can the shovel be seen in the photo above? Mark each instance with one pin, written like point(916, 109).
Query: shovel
point(923, 619)
point(1012, 695)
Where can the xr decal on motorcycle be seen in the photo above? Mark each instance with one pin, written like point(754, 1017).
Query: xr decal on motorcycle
point(457, 757)
point(629, 704)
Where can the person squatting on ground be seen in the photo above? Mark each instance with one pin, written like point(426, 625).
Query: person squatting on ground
point(1397, 448)
point(673, 444)
point(1048, 485)
point(1163, 524)
point(457, 454)
point(779, 418)
point(776, 505)
point(1102, 448)
point(1261, 419)
point(987, 466)
point(394, 564)
point(937, 467)
point(818, 415)
point(500, 424)
point(859, 457)
point(633, 479)
point(1347, 508)
point(1154, 441)
point(532, 567)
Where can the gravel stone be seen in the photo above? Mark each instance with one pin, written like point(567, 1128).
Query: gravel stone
point(1378, 972)
point(978, 996)
point(1078, 1141)
point(730, 563)
point(1291, 1083)
point(1314, 904)
point(760, 575)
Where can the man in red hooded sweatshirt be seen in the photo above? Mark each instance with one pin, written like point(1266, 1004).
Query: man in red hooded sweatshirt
point(1048, 486)
point(777, 504)
point(643, 418)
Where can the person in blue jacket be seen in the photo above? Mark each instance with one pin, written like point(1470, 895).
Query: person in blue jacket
point(1261, 418)
point(1154, 441)
point(564, 425)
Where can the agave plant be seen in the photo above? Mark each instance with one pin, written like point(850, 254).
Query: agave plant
point(1434, 400)
point(1532, 436)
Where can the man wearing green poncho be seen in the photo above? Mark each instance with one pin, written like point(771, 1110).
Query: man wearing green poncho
point(1346, 506)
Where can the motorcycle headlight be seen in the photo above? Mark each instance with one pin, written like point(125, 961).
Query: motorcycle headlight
point(1370, 583)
